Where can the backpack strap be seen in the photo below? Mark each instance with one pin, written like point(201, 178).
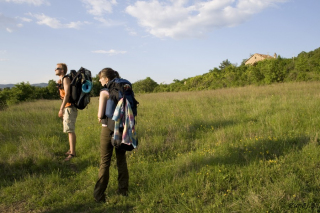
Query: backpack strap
point(70, 97)
point(68, 76)
point(74, 78)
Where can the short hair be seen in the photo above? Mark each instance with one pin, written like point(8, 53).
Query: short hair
point(64, 67)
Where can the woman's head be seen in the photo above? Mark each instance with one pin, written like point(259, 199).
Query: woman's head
point(107, 74)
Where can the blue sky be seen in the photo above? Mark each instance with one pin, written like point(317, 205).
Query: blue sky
point(161, 39)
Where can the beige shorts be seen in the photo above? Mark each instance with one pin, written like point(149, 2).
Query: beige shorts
point(69, 119)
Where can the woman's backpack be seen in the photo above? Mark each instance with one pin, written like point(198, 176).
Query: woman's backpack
point(119, 88)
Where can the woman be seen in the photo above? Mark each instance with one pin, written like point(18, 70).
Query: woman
point(106, 148)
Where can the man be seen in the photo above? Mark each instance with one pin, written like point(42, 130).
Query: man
point(67, 111)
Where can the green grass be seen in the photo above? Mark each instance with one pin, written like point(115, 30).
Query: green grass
point(249, 149)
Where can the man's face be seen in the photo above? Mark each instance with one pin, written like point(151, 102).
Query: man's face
point(59, 69)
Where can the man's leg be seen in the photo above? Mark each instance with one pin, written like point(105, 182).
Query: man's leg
point(72, 142)
point(69, 118)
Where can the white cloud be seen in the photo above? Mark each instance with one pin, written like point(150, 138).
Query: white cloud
point(99, 7)
point(74, 25)
point(180, 19)
point(26, 19)
point(55, 23)
point(34, 2)
point(107, 22)
point(11, 24)
point(131, 31)
point(4, 59)
point(110, 52)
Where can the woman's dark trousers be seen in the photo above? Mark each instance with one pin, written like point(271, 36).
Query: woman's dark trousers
point(106, 154)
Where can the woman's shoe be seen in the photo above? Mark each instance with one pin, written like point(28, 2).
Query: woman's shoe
point(123, 193)
point(103, 200)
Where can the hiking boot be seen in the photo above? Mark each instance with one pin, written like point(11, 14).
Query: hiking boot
point(123, 193)
point(102, 200)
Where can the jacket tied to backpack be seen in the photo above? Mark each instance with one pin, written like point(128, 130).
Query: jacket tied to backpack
point(124, 119)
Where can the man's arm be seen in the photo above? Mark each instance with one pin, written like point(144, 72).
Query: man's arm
point(66, 86)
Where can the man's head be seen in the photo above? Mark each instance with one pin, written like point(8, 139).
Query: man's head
point(61, 69)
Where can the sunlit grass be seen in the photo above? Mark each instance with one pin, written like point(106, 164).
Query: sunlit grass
point(249, 149)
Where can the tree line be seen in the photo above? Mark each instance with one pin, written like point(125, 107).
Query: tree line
point(26, 92)
point(304, 67)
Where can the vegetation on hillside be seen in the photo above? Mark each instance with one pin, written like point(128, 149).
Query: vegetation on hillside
point(25, 92)
point(304, 67)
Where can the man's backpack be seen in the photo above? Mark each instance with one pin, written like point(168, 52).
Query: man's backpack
point(80, 86)
point(119, 88)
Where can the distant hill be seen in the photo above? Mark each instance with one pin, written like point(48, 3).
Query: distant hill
point(12, 85)
point(6, 85)
point(40, 85)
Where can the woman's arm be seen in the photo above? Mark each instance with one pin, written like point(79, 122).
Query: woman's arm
point(104, 95)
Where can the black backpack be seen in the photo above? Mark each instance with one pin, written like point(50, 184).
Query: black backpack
point(119, 88)
point(80, 86)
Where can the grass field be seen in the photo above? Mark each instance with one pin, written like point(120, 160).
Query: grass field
point(249, 149)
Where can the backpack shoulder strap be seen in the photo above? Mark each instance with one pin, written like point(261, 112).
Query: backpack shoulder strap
point(68, 76)
point(109, 84)
point(104, 89)
point(75, 76)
